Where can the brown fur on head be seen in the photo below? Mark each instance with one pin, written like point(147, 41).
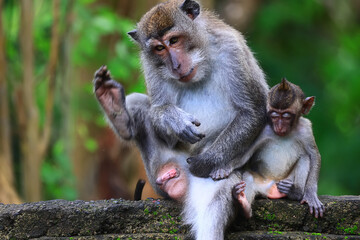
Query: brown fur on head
point(284, 94)
point(163, 17)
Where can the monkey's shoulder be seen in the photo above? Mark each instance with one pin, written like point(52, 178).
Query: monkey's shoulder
point(303, 129)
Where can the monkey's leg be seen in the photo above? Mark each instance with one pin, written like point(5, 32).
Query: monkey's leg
point(209, 206)
point(298, 177)
point(111, 97)
point(301, 191)
point(239, 194)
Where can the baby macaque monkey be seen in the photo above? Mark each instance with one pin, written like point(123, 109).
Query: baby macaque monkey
point(286, 160)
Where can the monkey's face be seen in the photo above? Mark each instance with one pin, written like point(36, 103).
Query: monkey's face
point(282, 121)
point(178, 59)
point(173, 42)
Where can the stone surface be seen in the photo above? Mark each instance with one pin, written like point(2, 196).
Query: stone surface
point(160, 219)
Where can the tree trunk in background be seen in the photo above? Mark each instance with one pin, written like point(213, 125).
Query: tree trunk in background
point(7, 189)
point(28, 112)
point(34, 139)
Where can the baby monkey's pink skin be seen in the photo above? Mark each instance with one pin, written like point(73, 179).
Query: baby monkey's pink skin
point(274, 193)
point(239, 195)
point(172, 181)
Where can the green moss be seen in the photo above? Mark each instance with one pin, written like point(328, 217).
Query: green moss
point(316, 234)
point(146, 211)
point(269, 217)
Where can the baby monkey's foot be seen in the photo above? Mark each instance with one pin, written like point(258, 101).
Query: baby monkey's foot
point(239, 194)
point(172, 173)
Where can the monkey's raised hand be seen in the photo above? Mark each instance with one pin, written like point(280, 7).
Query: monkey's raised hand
point(111, 97)
point(180, 123)
point(314, 203)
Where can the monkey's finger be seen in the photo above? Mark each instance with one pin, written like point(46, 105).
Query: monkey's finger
point(188, 136)
point(102, 73)
point(196, 122)
point(322, 210)
point(316, 210)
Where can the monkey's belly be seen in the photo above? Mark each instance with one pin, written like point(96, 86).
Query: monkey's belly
point(277, 159)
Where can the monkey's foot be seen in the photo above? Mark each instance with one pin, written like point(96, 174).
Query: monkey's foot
point(220, 173)
point(239, 194)
point(202, 165)
point(111, 97)
point(274, 193)
point(315, 205)
point(284, 186)
point(172, 173)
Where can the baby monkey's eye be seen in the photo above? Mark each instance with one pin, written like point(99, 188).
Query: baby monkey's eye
point(274, 115)
point(286, 115)
point(173, 40)
point(159, 48)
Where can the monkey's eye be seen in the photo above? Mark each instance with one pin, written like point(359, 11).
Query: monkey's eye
point(159, 48)
point(286, 115)
point(173, 40)
point(274, 115)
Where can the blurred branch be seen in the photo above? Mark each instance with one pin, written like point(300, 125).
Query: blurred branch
point(7, 189)
point(53, 60)
point(5, 137)
point(28, 109)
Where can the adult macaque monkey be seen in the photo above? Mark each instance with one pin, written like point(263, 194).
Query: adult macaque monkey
point(286, 153)
point(206, 105)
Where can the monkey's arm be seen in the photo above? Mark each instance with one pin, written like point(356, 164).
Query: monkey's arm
point(170, 122)
point(310, 194)
point(265, 137)
point(232, 143)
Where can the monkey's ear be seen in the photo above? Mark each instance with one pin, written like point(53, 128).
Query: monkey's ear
point(307, 105)
point(191, 8)
point(134, 35)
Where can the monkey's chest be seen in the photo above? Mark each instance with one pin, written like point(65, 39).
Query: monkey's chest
point(214, 111)
point(276, 159)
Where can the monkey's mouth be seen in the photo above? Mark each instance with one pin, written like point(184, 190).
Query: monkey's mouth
point(187, 77)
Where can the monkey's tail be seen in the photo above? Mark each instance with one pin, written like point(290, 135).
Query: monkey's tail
point(138, 189)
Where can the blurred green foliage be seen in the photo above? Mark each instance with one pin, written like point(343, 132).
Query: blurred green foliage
point(91, 30)
point(318, 48)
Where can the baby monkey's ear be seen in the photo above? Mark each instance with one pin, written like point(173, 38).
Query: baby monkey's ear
point(307, 105)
